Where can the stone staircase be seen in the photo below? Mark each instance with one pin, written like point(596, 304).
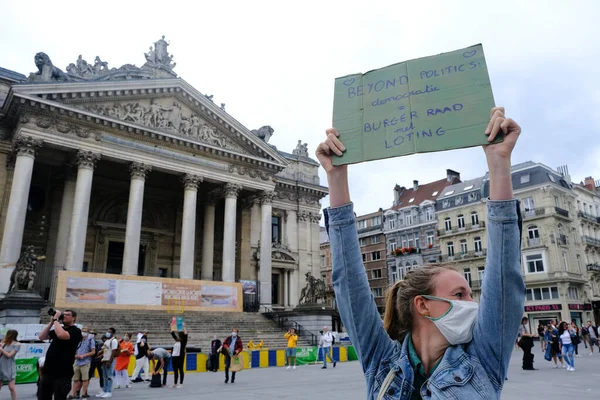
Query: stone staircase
point(201, 326)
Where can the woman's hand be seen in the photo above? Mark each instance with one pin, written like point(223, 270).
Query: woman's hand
point(498, 154)
point(337, 176)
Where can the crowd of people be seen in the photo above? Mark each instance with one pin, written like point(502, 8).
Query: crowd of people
point(559, 342)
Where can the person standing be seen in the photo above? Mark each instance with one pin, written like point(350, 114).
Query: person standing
point(122, 361)
point(553, 346)
point(9, 347)
point(290, 352)
point(526, 343)
point(215, 345)
point(109, 352)
point(585, 335)
point(141, 360)
point(327, 340)
point(593, 337)
point(161, 356)
point(577, 338)
point(565, 334)
point(81, 369)
point(542, 335)
point(232, 346)
point(96, 364)
point(178, 355)
point(58, 366)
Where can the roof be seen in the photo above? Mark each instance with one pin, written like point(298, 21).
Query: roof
point(323, 236)
point(9, 75)
point(531, 174)
point(428, 191)
point(462, 187)
point(295, 157)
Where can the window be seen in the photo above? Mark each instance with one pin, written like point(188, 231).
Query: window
point(468, 188)
point(573, 293)
point(545, 293)
point(528, 204)
point(579, 263)
point(417, 242)
point(362, 224)
point(565, 264)
point(448, 224)
point(449, 193)
point(365, 257)
point(323, 261)
point(392, 223)
point(474, 218)
point(404, 243)
point(376, 220)
point(535, 263)
point(377, 292)
point(459, 200)
point(376, 256)
point(362, 242)
point(472, 196)
point(461, 221)
point(415, 264)
point(533, 232)
point(434, 193)
point(480, 273)
point(463, 246)
point(477, 244)
point(394, 275)
point(276, 229)
point(411, 200)
point(392, 246)
point(410, 242)
point(429, 214)
point(468, 275)
point(579, 205)
point(525, 178)
point(430, 239)
point(591, 210)
point(450, 249)
point(556, 203)
point(446, 204)
point(376, 274)
point(409, 218)
point(551, 178)
point(375, 240)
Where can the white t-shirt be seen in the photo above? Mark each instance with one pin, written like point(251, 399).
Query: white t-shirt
point(176, 349)
point(566, 337)
point(327, 339)
point(108, 347)
point(138, 340)
point(591, 331)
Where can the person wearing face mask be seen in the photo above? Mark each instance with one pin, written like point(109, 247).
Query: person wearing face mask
point(213, 362)
point(96, 364)
point(81, 369)
point(232, 346)
point(108, 353)
point(122, 361)
point(141, 359)
point(435, 341)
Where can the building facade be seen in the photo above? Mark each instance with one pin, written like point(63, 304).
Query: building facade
point(373, 249)
point(410, 226)
point(133, 171)
point(461, 216)
point(588, 214)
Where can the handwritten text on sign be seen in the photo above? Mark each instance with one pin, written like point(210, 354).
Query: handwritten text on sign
point(428, 104)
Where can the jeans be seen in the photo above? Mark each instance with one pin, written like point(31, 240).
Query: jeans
point(165, 370)
point(328, 352)
point(567, 351)
point(108, 370)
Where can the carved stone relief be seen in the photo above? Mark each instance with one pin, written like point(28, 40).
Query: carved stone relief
point(165, 115)
point(64, 127)
point(251, 172)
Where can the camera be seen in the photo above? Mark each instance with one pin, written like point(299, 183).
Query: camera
point(52, 311)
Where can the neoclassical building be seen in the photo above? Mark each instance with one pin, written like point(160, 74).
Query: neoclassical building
point(133, 171)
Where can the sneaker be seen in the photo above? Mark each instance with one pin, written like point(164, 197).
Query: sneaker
point(127, 386)
point(85, 396)
point(563, 366)
point(323, 367)
point(172, 386)
point(100, 394)
point(591, 354)
point(555, 367)
point(572, 369)
point(294, 367)
point(179, 386)
point(334, 363)
point(118, 387)
point(106, 396)
point(288, 367)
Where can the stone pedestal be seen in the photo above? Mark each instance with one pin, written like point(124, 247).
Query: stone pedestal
point(312, 317)
point(21, 307)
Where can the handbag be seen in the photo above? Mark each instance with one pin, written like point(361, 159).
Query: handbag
point(237, 363)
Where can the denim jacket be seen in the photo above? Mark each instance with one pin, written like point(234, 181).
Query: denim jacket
point(476, 370)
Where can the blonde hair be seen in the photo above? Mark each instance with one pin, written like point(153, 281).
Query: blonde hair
point(398, 317)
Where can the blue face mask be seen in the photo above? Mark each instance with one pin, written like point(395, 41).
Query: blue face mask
point(107, 334)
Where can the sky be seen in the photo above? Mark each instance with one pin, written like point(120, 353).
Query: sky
point(274, 63)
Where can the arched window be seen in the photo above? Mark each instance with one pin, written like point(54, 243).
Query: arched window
point(450, 249)
point(460, 221)
point(533, 232)
point(474, 218)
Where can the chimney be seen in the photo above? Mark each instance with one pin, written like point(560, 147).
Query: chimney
point(450, 175)
point(396, 194)
point(590, 184)
point(564, 171)
point(415, 185)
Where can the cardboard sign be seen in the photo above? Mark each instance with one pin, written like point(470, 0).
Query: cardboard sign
point(429, 104)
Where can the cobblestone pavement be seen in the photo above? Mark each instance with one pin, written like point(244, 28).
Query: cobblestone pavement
point(346, 382)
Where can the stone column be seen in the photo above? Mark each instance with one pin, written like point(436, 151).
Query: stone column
point(294, 288)
point(264, 275)
point(133, 231)
point(86, 161)
point(208, 239)
point(286, 287)
point(231, 192)
point(14, 225)
point(188, 226)
point(64, 223)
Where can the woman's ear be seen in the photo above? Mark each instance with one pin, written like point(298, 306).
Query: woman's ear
point(420, 306)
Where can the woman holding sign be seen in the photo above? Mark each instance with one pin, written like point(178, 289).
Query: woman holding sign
point(435, 341)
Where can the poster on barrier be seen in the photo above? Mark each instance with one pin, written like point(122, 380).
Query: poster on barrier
point(306, 355)
point(26, 370)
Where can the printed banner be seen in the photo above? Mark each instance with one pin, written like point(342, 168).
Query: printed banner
point(249, 287)
point(307, 355)
point(93, 290)
point(26, 370)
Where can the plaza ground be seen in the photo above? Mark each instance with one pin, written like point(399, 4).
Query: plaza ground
point(346, 382)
